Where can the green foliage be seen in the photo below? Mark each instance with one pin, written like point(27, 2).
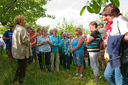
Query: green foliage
point(68, 27)
point(116, 3)
point(3, 29)
point(31, 9)
point(94, 6)
point(82, 10)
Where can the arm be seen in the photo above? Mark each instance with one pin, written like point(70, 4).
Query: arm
point(4, 38)
point(39, 44)
point(51, 43)
point(89, 39)
point(25, 39)
point(125, 39)
point(34, 36)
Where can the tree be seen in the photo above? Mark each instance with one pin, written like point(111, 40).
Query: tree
point(31, 9)
point(69, 27)
point(94, 6)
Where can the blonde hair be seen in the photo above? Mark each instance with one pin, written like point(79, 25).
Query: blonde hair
point(43, 28)
point(19, 19)
point(80, 30)
point(55, 29)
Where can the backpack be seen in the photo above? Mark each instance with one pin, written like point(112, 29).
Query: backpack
point(124, 57)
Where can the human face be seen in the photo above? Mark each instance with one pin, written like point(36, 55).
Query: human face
point(44, 32)
point(104, 17)
point(54, 32)
point(64, 35)
point(29, 30)
point(77, 31)
point(92, 28)
point(11, 28)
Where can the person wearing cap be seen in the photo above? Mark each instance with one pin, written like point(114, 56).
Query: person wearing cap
point(116, 25)
point(7, 37)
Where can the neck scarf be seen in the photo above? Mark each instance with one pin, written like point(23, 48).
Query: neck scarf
point(108, 29)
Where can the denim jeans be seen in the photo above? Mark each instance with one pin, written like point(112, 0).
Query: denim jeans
point(33, 55)
point(113, 75)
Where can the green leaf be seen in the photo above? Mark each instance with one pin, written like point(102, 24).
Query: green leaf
point(90, 9)
point(116, 3)
point(82, 10)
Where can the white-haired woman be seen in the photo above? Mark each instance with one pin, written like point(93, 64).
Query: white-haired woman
point(66, 49)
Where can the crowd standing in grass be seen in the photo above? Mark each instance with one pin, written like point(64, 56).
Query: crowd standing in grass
point(101, 46)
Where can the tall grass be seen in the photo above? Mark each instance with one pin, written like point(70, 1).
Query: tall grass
point(34, 76)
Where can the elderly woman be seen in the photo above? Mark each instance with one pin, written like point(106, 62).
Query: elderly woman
point(44, 49)
point(56, 41)
point(21, 49)
point(77, 48)
point(66, 51)
point(93, 48)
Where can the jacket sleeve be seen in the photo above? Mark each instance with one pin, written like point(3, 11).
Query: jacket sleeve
point(24, 36)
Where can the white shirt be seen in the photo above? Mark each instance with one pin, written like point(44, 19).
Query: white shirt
point(119, 23)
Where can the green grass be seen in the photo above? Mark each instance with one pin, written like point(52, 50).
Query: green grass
point(36, 77)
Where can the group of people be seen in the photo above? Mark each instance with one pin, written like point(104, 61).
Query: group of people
point(105, 47)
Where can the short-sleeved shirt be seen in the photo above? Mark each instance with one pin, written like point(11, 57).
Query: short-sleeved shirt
point(8, 34)
point(95, 44)
point(55, 41)
point(46, 47)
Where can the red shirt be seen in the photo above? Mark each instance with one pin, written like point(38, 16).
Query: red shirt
point(108, 29)
point(33, 40)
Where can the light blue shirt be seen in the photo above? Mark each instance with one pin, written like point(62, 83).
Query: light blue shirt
point(55, 41)
point(45, 47)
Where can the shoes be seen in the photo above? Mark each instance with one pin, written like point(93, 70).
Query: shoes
point(76, 76)
point(81, 75)
point(96, 78)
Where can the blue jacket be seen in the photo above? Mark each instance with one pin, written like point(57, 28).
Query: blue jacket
point(114, 49)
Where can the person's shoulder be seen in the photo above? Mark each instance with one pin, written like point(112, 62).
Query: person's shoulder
point(39, 36)
point(95, 32)
point(6, 31)
point(120, 19)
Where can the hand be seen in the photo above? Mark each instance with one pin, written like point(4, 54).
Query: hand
point(55, 45)
point(105, 42)
point(106, 59)
point(68, 54)
point(126, 37)
point(72, 50)
point(37, 34)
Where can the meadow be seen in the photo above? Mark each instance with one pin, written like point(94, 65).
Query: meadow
point(34, 76)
